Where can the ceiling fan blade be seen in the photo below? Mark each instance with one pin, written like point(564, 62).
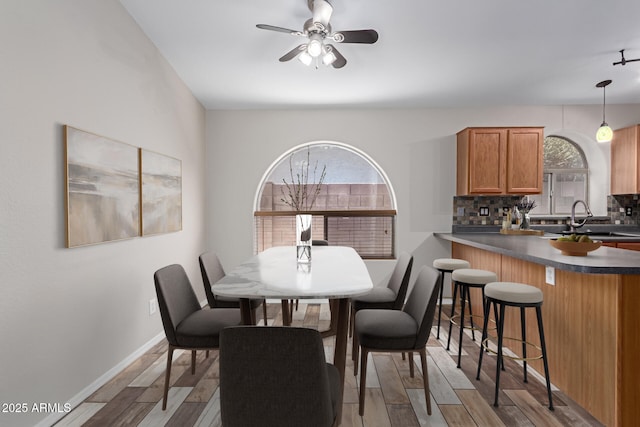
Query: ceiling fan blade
point(322, 11)
point(340, 60)
point(293, 53)
point(356, 36)
point(279, 29)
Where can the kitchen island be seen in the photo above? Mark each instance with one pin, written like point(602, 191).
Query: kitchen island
point(591, 330)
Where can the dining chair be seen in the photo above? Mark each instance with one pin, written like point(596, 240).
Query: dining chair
point(187, 326)
point(276, 376)
point(212, 271)
point(390, 297)
point(405, 330)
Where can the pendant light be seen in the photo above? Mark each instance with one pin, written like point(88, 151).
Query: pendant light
point(604, 133)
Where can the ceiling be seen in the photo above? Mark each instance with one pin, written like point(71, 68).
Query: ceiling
point(430, 54)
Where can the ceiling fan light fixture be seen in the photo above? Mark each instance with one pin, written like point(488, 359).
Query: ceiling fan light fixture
point(328, 57)
point(305, 58)
point(314, 48)
point(604, 133)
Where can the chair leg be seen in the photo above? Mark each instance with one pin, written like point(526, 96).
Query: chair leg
point(453, 311)
point(544, 355)
point(354, 353)
point(485, 334)
point(473, 328)
point(193, 362)
point(411, 373)
point(167, 377)
point(499, 359)
point(425, 378)
point(253, 316)
point(264, 311)
point(462, 308)
point(523, 328)
point(440, 305)
point(352, 320)
point(363, 379)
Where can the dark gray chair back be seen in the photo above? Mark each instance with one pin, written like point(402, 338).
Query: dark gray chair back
point(399, 280)
point(212, 271)
point(274, 376)
point(176, 298)
point(421, 303)
point(319, 242)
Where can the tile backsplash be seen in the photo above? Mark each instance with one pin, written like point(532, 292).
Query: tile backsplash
point(618, 205)
point(488, 210)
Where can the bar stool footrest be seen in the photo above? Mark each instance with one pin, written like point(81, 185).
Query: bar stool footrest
point(485, 345)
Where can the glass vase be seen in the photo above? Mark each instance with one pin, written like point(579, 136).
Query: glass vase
point(303, 238)
point(526, 221)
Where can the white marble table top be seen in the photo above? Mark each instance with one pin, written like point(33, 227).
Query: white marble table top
point(334, 272)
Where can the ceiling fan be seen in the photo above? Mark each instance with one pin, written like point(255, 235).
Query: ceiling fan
point(318, 30)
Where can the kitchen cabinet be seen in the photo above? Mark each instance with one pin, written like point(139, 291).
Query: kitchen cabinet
point(625, 161)
point(499, 160)
point(632, 246)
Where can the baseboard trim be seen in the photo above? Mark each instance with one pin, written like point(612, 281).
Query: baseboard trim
point(102, 380)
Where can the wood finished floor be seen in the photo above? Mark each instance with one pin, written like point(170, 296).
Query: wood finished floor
point(133, 397)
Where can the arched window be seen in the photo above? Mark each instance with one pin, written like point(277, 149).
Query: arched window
point(566, 177)
point(348, 194)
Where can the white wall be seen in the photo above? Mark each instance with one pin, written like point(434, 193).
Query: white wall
point(416, 148)
point(68, 316)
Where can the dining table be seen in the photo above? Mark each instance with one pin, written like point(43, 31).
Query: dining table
point(336, 273)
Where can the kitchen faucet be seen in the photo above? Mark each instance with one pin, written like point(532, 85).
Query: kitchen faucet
point(575, 225)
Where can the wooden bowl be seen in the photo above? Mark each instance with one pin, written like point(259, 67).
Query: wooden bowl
point(575, 248)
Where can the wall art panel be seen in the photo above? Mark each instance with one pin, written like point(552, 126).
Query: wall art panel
point(161, 193)
point(103, 188)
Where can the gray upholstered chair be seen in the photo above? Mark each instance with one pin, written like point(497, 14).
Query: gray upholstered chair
point(276, 376)
point(212, 271)
point(187, 325)
point(390, 297)
point(405, 330)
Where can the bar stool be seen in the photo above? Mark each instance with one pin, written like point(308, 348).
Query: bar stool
point(511, 294)
point(446, 265)
point(464, 279)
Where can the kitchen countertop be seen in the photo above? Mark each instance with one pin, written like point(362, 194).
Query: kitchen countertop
point(537, 249)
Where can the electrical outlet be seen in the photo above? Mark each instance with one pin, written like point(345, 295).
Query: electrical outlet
point(153, 306)
point(550, 275)
point(484, 211)
point(628, 210)
point(460, 212)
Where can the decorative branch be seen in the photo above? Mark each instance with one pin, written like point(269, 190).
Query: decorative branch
point(301, 195)
point(525, 204)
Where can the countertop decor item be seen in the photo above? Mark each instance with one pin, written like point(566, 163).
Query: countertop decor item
point(575, 248)
point(521, 232)
point(301, 195)
point(524, 206)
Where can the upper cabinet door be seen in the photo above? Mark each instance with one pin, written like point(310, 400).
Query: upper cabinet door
point(625, 157)
point(487, 161)
point(525, 161)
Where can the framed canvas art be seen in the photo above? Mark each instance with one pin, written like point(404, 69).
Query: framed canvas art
point(161, 178)
point(103, 188)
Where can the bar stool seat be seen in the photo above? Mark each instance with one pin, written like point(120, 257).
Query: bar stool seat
point(520, 295)
point(446, 265)
point(464, 279)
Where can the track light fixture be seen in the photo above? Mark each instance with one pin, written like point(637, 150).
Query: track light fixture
point(624, 61)
point(604, 133)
